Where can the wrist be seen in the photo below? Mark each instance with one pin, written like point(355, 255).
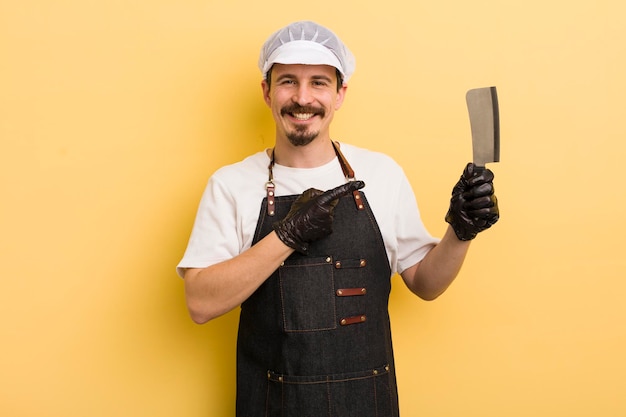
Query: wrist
point(286, 235)
point(459, 226)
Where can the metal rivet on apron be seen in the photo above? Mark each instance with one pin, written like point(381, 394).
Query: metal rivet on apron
point(339, 292)
point(338, 264)
point(282, 264)
point(386, 367)
point(269, 375)
point(363, 262)
point(280, 379)
point(375, 372)
point(344, 322)
point(329, 259)
point(271, 213)
point(271, 203)
point(362, 318)
point(361, 207)
point(363, 290)
point(271, 193)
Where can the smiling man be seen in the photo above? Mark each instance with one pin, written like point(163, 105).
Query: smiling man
point(303, 100)
point(311, 269)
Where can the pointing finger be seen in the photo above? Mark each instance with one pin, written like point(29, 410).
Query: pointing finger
point(340, 191)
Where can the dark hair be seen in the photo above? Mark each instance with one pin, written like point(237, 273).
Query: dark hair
point(268, 78)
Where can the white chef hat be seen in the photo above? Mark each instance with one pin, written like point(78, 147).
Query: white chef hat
point(306, 42)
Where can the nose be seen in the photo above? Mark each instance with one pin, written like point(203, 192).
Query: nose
point(303, 95)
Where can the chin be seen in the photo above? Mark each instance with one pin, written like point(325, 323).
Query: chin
point(302, 140)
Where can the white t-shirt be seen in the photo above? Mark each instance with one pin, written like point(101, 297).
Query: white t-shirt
point(230, 206)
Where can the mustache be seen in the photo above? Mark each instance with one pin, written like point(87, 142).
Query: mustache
point(296, 108)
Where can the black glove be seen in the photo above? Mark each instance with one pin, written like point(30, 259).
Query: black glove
point(473, 206)
point(311, 216)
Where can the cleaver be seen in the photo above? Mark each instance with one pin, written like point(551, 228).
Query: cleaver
point(482, 105)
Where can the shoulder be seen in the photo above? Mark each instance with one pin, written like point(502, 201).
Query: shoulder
point(254, 164)
point(234, 183)
point(372, 164)
point(239, 176)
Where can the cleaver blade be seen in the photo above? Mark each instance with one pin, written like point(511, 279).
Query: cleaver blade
point(482, 105)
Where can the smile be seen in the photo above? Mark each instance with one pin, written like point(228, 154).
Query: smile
point(302, 113)
point(303, 116)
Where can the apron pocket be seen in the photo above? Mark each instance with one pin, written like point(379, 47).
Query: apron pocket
point(357, 394)
point(307, 294)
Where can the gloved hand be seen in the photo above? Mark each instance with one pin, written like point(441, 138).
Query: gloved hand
point(473, 206)
point(311, 216)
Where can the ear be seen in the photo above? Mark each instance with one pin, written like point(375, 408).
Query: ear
point(266, 92)
point(341, 95)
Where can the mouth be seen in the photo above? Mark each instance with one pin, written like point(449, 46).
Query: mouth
point(302, 114)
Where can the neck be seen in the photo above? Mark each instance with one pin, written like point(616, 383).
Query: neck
point(315, 154)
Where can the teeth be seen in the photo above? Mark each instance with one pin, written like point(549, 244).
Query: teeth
point(303, 116)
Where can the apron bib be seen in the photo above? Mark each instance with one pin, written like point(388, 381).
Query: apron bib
point(314, 339)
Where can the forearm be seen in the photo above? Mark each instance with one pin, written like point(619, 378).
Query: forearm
point(432, 276)
point(217, 289)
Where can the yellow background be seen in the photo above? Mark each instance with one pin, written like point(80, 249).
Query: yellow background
point(114, 113)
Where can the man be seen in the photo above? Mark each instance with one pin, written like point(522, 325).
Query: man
point(311, 270)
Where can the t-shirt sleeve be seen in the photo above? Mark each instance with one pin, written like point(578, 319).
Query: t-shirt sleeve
point(214, 236)
point(413, 240)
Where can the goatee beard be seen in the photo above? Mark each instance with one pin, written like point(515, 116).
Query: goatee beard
point(301, 137)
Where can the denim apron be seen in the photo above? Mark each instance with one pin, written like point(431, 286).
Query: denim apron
point(314, 339)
